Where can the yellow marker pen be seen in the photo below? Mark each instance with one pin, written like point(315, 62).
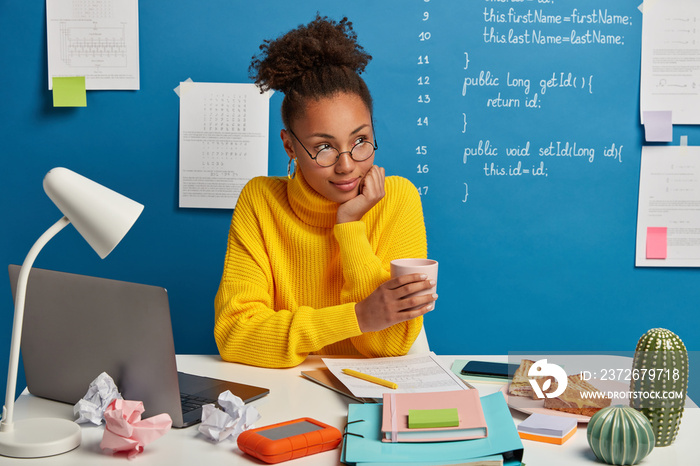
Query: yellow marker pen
point(371, 378)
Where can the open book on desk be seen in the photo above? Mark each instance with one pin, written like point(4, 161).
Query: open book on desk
point(326, 378)
point(413, 373)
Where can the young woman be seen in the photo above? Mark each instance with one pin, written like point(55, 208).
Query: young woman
point(307, 264)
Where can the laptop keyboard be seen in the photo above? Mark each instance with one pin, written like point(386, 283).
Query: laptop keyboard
point(190, 402)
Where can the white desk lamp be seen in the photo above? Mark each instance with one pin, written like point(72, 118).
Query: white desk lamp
point(102, 217)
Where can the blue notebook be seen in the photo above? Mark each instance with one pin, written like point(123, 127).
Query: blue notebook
point(365, 420)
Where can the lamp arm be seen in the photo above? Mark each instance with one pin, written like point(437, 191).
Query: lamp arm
point(20, 294)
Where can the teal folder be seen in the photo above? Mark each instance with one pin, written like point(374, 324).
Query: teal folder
point(493, 459)
point(365, 420)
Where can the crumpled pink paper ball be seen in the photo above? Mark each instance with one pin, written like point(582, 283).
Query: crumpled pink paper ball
point(125, 431)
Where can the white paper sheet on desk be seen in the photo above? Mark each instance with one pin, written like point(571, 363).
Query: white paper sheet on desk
point(412, 373)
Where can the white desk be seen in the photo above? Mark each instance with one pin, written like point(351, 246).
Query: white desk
point(292, 396)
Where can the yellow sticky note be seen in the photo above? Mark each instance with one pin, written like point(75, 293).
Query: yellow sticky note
point(69, 91)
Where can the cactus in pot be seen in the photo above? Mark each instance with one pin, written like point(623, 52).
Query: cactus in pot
point(660, 382)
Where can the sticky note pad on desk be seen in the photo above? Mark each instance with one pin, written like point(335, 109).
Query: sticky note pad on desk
point(431, 418)
point(547, 428)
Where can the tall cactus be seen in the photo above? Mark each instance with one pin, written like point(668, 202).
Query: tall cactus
point(659, 372)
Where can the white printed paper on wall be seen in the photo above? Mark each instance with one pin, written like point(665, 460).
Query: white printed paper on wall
point(668, 219)
point(98, 39)
point(223, 141)
point(670, 71)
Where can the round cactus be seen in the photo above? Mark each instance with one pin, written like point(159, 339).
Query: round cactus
point(660, 382)
point(620, 435)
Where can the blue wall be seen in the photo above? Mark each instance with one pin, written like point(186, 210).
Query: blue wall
point(526, 262)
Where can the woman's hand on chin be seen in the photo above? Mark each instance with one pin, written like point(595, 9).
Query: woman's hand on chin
point(371, 192)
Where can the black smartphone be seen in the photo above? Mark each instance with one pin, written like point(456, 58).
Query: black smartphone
point(490, 369)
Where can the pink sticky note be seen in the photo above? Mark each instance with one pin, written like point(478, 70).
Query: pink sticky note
point(658, 126)
point(656, 242)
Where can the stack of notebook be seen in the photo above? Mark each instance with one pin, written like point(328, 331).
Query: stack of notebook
point(431, 417)
point(488, 442)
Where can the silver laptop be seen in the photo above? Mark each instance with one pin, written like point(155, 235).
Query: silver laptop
point(76, 327)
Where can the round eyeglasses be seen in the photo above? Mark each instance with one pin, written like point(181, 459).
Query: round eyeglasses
point(328, 155)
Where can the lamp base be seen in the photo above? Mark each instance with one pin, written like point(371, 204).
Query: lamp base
point(36, 438)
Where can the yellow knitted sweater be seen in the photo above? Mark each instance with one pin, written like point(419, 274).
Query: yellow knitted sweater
point(292, 276)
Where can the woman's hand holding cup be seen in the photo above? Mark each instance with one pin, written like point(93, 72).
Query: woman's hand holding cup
point(410, 293)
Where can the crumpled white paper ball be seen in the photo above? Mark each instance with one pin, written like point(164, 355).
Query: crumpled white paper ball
point(218, 425)
point(101, 392)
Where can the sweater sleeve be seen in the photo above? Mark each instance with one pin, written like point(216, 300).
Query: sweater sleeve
point(366, 257)
point(248, 329)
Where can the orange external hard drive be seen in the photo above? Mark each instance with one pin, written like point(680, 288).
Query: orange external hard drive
point(289, 440)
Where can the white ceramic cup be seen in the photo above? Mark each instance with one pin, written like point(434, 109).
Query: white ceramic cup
point(428, 267)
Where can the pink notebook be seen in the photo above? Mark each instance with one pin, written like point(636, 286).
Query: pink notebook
point(472, 423)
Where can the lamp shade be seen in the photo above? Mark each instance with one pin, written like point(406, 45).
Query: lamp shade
point(100, 215)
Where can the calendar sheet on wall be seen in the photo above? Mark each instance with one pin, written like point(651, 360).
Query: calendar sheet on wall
point(223, 141)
